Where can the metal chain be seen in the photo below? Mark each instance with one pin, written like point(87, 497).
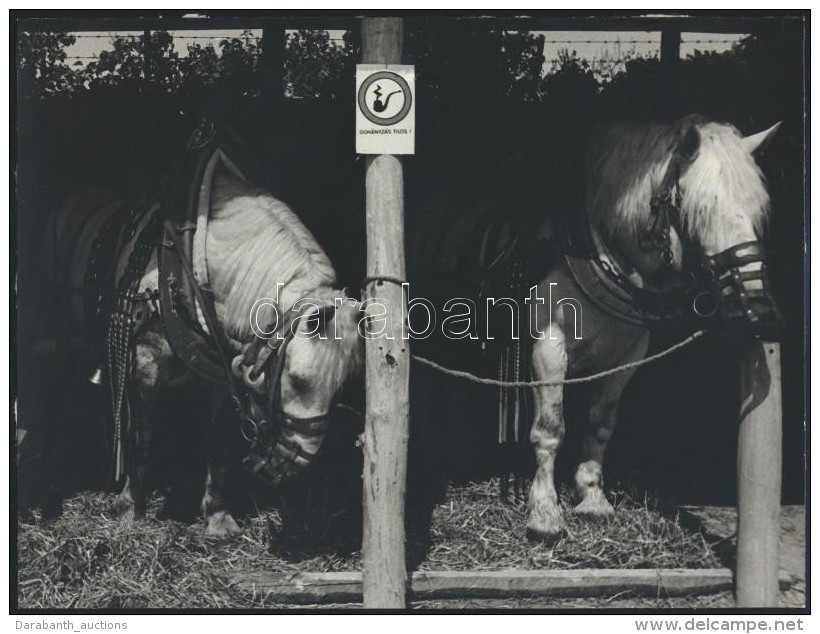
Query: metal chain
point(583, 379)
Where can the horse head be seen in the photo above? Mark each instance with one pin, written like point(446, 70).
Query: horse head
point(301, 344)
point(686, 204)
point(296, 376)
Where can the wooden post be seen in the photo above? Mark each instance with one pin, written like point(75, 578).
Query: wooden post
point(759, 474)
point(670, 46)
point(384, 576)
point(273, 59)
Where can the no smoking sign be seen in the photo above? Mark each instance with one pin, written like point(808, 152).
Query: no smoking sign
point(385, 109)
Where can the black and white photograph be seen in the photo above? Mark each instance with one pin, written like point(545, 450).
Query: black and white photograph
point(401, 311)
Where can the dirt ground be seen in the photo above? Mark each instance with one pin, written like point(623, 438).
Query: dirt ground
point(720, 522)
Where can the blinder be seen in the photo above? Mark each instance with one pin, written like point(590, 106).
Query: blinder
point(741, 299)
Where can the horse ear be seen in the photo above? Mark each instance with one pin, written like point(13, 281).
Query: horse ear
point(755, 142)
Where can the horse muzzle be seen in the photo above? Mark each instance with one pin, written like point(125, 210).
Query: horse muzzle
point(736, 288)
point(284, 448)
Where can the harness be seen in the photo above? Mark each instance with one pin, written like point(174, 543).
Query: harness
point(714, 292)
point(187, 309)
point(273, 455)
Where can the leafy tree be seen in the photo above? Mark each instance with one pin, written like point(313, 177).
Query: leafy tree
point(201, 66)
point(239, 65)
point(572, 81)
point(315, 66)
point(136, 62)
point(41, 64)
point(524, 59)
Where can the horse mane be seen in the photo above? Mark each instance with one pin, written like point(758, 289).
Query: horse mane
point(254, 242)
point(626, 163)
point(340, 355)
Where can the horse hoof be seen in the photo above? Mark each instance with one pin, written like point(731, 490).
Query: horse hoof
point(222, 526)
point(594, 506)
point(126, 516)
point(548, 536)
point(548, 530)
point(127, 511)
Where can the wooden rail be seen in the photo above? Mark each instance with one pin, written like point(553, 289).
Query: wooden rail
point(346, 587)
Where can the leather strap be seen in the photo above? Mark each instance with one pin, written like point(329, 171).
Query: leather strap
point(206, 302)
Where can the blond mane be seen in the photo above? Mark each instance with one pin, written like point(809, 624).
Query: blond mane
point(626, 164)
point(254, 242)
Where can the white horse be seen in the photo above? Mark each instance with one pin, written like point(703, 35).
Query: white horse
point(256, 250)
point(665, 203)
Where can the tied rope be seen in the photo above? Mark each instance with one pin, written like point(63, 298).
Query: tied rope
point(390, 279)
point(581, 379)
point(549, 383)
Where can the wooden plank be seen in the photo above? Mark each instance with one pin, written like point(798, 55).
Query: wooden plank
point(387, 358)
point(240, 20)
point(533, 21)
point(759, 474)
point(346, 587)
point(729, 23)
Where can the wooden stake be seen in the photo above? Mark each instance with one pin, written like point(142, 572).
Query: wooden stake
point(759, 474)
point(388, 359)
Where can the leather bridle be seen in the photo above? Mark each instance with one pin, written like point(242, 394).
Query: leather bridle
point(272, 455)
point(741, 298)
point(714, 290)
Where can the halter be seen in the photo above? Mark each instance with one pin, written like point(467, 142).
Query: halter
point(260, 432)
point(245, 384)
point(722, 288)
point(715, 290)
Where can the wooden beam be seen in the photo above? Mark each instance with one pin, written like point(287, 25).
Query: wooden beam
point(535, 21)
point(670, 46)
point(273, 60)
point(346, 587)
point(759, 474)
point(387, 357)
point(113, 22)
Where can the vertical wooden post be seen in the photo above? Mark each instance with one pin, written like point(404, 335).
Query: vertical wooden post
point(670, 46)
point(384, 576)
point(273, 59)
point(759, 474)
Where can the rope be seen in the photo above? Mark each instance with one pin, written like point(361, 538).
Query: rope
point(382, 278)
point(583, 379)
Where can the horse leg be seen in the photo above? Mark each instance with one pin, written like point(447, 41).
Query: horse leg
point(589, 484)
point(152, 353)
point(549, 362)
point(219, 521)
